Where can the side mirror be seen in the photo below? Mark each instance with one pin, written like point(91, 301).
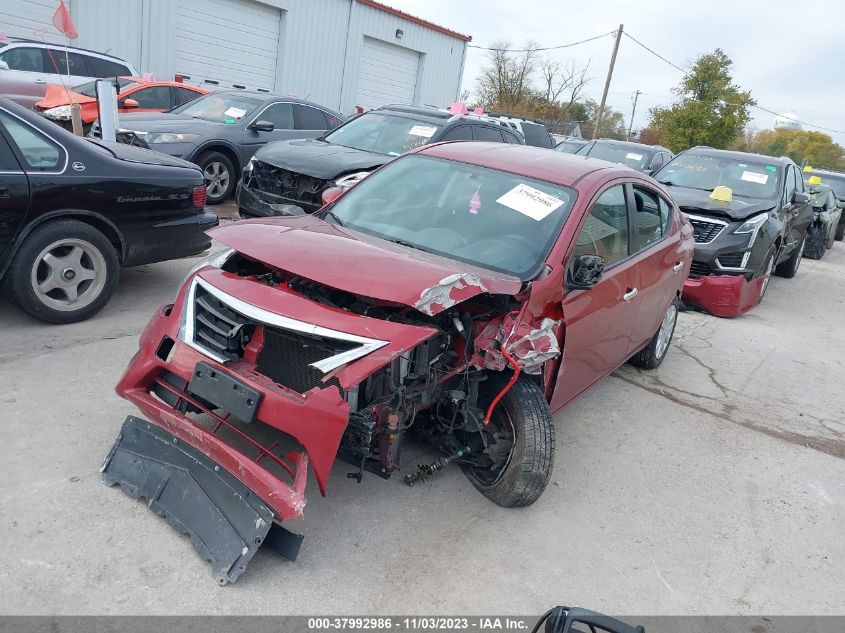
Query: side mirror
point(262, 126)
point(649, 172)
point(840, 204)
point(799, 197)
point(585, 272)
point(331, 194)
point(129, 103)
point(4, 65)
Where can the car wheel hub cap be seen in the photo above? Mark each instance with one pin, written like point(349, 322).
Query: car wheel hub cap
point(666, 329)
point(68, 275)
point(216, 179)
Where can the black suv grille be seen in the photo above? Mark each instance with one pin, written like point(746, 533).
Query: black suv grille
point(289, 184)
point(699, 269)
point(731, 260)
point(705, 231)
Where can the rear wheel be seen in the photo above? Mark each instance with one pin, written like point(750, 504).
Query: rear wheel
point(517, 464)
point(219, 175)
point(840, 229)
point(652, 355)
point(65, 271)
point(789, 268)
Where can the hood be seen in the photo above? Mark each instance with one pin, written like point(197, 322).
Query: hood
point(351, 261)
point(696, 201)
point(165, 122)
point(58, 96)
point(133, 154)
point(319, 159)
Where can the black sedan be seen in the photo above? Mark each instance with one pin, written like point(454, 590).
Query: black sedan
point(73, 211)
point(222, 130)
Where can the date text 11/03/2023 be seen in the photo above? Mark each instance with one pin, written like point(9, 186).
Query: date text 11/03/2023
point(485, 624)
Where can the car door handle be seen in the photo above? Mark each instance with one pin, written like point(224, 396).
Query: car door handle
point(5, 192)
point(677, 267)
point(41, 81)
point(630, 294)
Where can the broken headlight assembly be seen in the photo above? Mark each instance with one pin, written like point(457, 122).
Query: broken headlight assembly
point(169, 137)
point(752, 226)
point(350, 180)
point(59, 113)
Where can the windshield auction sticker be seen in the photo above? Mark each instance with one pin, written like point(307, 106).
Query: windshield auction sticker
point(632, 156)
point(530, 201)
point(752, 176)
point(422, 130)
point(235, 113)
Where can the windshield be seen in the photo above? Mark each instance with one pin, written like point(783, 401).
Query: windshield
point(384, 133)
point(634, 157)
point(220, 108)
point(89, 88)
point(697, 171)
point(568, 147)
point(482, 216)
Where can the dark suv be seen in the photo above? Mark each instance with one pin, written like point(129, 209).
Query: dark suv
point(645, 158)
point(750, 215)
point(298, 172)
point(836, 181)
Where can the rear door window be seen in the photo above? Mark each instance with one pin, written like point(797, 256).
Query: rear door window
point(183, 95)
point(308, 118)
point(37, 151)
point(536, 135)
point(59, 62)
point(484, 133)
point(458, 133)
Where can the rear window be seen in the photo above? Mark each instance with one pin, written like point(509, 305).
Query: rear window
point(308, 118)
point(536, 135)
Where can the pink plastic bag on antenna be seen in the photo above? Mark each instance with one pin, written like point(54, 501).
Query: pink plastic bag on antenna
point(458, 108)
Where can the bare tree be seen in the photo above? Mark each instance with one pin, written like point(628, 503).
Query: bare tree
point(562, 86)
point(506, 80)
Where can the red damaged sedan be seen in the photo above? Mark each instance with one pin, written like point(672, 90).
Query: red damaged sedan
point(459, 295)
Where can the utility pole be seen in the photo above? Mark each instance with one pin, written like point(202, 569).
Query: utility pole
point(607, 82)
point(631, 124)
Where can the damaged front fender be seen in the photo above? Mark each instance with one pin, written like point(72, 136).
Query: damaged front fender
point(530, 345)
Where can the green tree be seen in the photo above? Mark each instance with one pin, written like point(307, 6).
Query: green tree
point(612, 124)
point(815, 147)
point(710, 109)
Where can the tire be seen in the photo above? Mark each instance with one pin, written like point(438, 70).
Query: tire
point(789, 268)
point(816, 242)
point(219, 174)
point(76, 249)
point(840, 230)
point(526, 475)
point(653, 354)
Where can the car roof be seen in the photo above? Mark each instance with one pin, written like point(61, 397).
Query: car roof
point(23, 40)
point(825, 172)
point(727, 153)
point(437, 116)
point(264, 96)
point(525, 160)
point(631, 144)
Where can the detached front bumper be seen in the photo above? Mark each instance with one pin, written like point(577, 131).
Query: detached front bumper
point(725, 296)
point(253, 203)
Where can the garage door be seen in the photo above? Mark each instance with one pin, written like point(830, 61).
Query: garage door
point(388, 74)
point(233, 42)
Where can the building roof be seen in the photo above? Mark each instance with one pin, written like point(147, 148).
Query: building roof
point(407, 16)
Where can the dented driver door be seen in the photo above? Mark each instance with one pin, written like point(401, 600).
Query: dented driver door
point(599, 321)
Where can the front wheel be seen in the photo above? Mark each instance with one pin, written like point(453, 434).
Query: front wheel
point(219, 175)
point(840, 230)
point(652, 355)
point(516, 466)
point(789, 268)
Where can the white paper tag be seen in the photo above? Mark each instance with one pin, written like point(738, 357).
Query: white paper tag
point(422, 130)
point(530, 201)
point(632, 156)
point(235, 113)
point(752, 176)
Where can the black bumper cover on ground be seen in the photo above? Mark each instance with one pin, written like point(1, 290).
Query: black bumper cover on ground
point(226, 522)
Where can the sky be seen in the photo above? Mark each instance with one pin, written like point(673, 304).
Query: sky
point(790, 59)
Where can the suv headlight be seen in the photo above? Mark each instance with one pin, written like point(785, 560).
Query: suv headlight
point(59, 113)
point(169, 137)
point(249, 167)
point(350, 180)
point(752, 226)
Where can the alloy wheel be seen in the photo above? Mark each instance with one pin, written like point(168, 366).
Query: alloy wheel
point(666, 329)
point(770, 266)
point(217, 177)
point(68, 275)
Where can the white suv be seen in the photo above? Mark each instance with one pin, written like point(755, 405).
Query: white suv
point(26, 67)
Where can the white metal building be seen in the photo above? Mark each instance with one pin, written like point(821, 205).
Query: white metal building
point(340, 53)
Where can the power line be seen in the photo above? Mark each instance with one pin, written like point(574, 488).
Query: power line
point(547, 48)
point(759, 107)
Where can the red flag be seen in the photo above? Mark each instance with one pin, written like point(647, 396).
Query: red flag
point(62, 21)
